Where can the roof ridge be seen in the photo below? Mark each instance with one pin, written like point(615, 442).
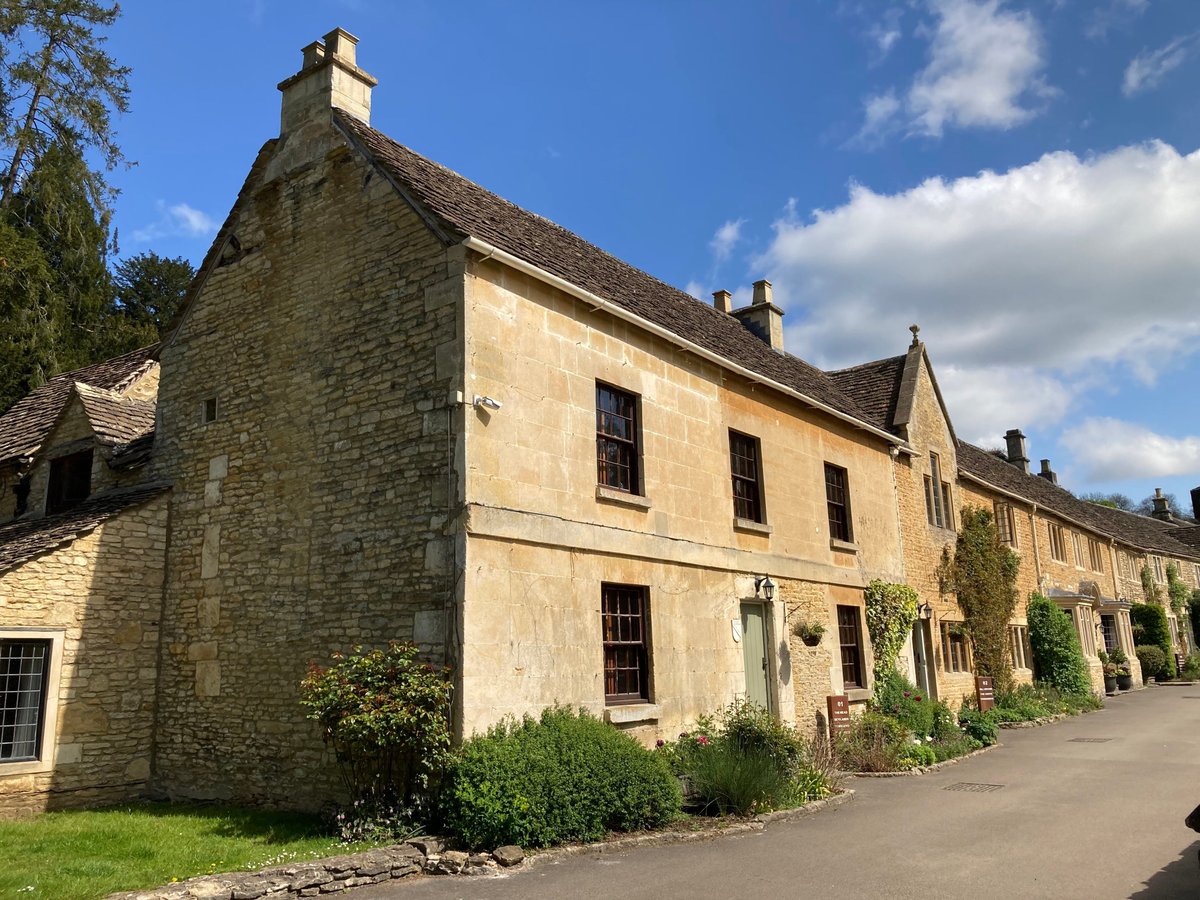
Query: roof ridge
point(875, 362)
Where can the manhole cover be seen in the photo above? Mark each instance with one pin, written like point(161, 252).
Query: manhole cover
point(1191, 697)
point(974, 788)
point(1089, 740)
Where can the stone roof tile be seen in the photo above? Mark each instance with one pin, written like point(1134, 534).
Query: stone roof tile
point(26, 539)
point(464, 209)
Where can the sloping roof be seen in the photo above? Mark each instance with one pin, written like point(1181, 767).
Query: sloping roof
point(1129, 528)
point(115, 419)
point(23, 540)
point(28, 421)
point(874, 386)
point(463, 209)
point(1189, 534)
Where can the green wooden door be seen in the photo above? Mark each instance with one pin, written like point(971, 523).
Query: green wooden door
point(754, 652)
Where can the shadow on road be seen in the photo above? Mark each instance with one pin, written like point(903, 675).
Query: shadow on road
point(1175, 880)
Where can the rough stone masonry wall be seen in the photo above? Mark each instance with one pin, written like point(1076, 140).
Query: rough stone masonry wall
point(103, 592)
point(311, 516)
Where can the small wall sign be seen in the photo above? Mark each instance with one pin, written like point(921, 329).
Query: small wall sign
point(736, 626)
point(985, 693)
point(839, 714)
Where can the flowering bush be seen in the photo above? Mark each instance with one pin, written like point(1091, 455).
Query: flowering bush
point(387, 718)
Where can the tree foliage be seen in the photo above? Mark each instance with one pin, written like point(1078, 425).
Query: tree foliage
point(1113, 501)
point(1057, 655)
point(891, 612)
point(148, 290)
point(984, 576)
point(59, 88)
point(1151, 628)
point(1145, 506)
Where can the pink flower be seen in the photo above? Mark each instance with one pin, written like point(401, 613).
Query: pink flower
point(918, 699)
point(907, 694)
point(702, 740)
point(660, 743)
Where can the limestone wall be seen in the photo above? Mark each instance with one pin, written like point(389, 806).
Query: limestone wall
point(98, 599)
point(312, 514)
point(542, 538)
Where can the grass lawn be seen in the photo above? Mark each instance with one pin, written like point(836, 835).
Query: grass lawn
point(91, 853)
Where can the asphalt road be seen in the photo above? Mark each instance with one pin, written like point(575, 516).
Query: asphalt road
point(1073, 819)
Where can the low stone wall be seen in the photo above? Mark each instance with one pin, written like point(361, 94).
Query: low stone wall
point(338, 873)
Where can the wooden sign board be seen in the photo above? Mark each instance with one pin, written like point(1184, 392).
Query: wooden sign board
point(1180, 660)
point(985, 693)
point(839, 714)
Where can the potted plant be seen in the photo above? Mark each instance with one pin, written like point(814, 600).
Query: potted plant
point(1110, 673)
point(809, 632)
point(1124, 674)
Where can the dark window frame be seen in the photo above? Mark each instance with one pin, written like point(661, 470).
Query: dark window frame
point(1019, 648)
point(956, 654)
point(1058, 542)
point(1109, 632)
point(625, 635)
point(618, 449)
point(837, 503)
point(66, 485)
point(850, 645)
point(745, 471)
point(14, 699)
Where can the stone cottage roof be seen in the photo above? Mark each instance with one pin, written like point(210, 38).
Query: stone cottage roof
point(28, 421)
point(458, 208)
point(26, 539)
point(1128, 528)
point(874, 386)
point(115, 419)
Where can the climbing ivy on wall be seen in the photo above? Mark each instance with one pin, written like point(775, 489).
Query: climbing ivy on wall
point(891, 612)
point(984, 575)
point(1149, 588)
point(1178, 592)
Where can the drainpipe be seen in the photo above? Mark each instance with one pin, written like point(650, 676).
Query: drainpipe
point(1037, 553)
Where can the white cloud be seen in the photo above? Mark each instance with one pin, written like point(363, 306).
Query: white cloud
point(726, 237)
point(880, 112)
point(984, 71)
point(1031, 283)
point(1111, 450)
point(1147, 70)
point(178, 220)
point(1114, 14)
point(985, 65)
point(696, 289)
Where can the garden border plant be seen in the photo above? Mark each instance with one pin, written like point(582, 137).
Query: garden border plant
point(1151, 628)
point(1057, 655)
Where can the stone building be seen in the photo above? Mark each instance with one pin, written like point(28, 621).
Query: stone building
point(397, 407)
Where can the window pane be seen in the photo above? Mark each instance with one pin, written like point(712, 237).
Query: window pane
point(626, 657)
point(838, 503)
point(22, 698)
point(743, 466)
point(851, 651)
point(616, 439)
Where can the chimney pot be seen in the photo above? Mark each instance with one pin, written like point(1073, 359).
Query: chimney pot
point(723, 301)
point(762, 292)
point(1196, 503)
point(1049, 474)
point(763, 317)
point(329, 77)
point(1162, 506)
point(1015, 442)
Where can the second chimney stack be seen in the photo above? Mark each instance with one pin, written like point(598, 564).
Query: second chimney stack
point(1016, 452)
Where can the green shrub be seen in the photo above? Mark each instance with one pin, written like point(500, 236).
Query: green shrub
point(897, 697)
point(1057, 656)
point(1153, 660)
point(952, 747)
point(915, 754)
point(387, 718)
point(873, 744)
point(1191, 667)
point(750, 762)
point(1152, 629)
point(980, 726)
point(891, 612)
point(1024, 703)
point(565, 776)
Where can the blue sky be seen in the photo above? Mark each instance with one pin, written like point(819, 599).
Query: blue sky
point(1020, 178)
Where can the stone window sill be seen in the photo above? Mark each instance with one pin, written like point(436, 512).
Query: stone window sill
point(751, 526)
point(621, 498)
point(632, 712)
point(843, 546)
point(857, 695)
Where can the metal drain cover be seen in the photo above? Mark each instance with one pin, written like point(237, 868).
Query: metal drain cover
point(1089, 740)
point(973, 787)
point(1190, 697)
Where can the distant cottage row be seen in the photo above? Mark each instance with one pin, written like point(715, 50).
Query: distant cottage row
point(396, 406)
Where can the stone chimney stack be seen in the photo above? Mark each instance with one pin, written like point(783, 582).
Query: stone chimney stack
point(723, 301)
point(763, 317)
point(1162, 507)
point(1049, 474)
point(1196, 503)
point(328, 77)
point(1016, 452)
